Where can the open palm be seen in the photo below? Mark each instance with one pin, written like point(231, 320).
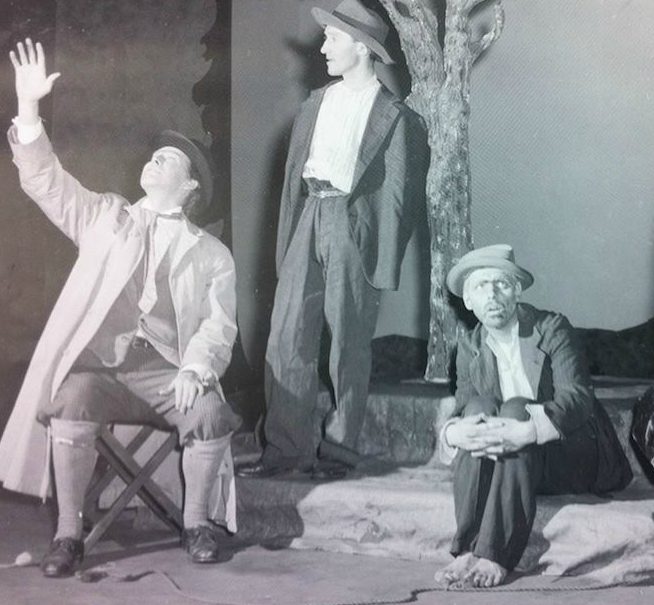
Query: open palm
point(32, 83)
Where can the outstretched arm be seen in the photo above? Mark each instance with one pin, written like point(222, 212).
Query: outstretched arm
point(69, 205)
point(32, 83)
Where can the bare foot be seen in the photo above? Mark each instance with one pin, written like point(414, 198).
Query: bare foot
point(485, 574)
point(456, 570)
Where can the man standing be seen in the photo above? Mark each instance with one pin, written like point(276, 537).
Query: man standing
point(354, 185)
point(525, 422)
point(141, 333)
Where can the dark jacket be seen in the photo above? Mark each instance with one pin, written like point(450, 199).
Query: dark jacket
point(388, 190)
point(557, 373)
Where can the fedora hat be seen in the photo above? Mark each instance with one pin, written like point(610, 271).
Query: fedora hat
point(363, 24)
point(199, 161)
point(498, 256)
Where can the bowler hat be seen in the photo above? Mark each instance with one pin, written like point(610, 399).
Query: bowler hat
point(199, 161)
point(363, 24)
point(498, 256)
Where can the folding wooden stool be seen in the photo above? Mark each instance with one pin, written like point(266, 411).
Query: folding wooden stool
point(120, 462)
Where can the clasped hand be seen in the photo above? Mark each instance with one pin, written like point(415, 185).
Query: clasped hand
point(490, 436)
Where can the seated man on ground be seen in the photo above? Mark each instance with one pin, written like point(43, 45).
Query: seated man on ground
point(141, 333)
point(526, 421)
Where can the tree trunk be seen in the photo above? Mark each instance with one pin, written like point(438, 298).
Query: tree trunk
point(448, 187)
point(440, 93)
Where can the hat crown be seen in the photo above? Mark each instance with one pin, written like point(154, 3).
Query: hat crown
point(357, 15)
point(363, 24)
point(199, 157)
point(496, 251)
point(499, 256)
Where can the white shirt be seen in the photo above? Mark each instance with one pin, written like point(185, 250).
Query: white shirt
point(514, 382)
point(511, 371)
point(27, 133)
point(163, 232)
point(341, 122)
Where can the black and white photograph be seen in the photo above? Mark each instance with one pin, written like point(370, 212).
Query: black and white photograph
point(327, 302)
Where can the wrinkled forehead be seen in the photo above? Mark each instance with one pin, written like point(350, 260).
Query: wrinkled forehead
point(172, 152)
point(488, 274)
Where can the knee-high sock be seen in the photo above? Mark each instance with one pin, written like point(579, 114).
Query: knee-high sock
point(200, 463)
point(73, 458)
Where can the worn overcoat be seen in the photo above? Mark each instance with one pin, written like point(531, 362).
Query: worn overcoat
point(110, 243)
point(556, 369)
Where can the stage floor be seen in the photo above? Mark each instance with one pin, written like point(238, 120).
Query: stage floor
point(148, 568)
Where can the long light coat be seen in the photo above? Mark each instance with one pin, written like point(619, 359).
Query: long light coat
point(110, 242)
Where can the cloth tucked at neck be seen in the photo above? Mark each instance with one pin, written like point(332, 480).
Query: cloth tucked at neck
point(161, 230)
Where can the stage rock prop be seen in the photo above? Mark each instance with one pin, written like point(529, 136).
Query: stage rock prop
point(440, 92)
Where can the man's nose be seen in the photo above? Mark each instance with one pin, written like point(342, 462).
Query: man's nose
point(323, 48)
point(491, 291)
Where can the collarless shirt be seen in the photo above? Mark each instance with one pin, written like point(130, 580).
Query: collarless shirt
point(514, 382)
point(510, 369)
point(340, 125)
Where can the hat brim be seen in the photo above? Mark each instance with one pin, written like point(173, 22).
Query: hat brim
point(458, 274)
point(199, 161)
point(325, 18)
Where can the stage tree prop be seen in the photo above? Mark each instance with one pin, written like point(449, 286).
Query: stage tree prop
point(440, 92)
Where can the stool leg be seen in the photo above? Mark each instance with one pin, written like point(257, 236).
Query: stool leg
point(135, 485)
point(108, 473)
point(123, 463)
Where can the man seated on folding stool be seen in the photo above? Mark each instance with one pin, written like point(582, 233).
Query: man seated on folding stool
point(141, 333)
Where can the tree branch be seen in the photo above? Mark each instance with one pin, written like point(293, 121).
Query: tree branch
point(477, 47)
point(467, 6)
point(417, 26)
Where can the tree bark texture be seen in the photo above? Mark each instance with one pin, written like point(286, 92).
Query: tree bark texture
point(440, 93)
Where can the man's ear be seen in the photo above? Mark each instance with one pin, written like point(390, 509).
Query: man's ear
point(518, 288)
point(191, 184)
point(362, 49)
point(466, 302)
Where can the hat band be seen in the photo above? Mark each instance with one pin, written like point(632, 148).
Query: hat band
point(366, 29)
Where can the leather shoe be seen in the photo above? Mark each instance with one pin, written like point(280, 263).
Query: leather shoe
point(63, 556)
point(201, 543)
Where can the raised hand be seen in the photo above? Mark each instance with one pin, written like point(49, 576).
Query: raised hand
point(32, 83)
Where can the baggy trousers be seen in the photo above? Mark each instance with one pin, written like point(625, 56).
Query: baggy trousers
point(321, 280)
point(131, 394)
point(495, 502)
